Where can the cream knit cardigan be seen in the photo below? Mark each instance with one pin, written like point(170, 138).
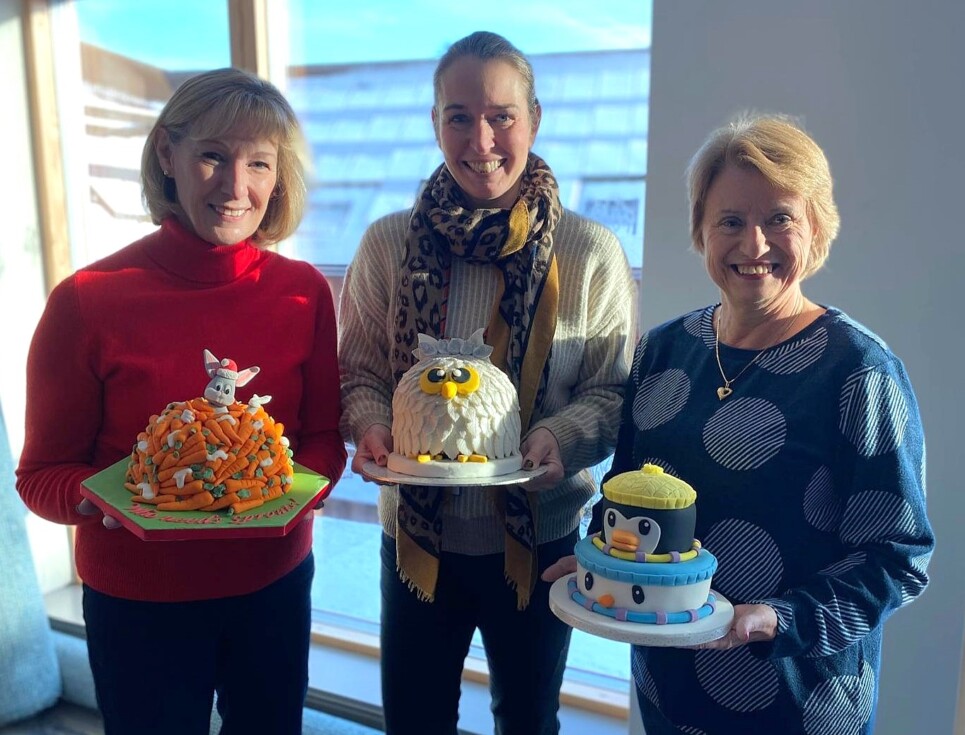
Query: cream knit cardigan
point(589, 365)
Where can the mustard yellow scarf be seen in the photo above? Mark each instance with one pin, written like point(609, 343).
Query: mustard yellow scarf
point(519, 242)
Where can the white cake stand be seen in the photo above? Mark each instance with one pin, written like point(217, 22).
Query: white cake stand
point(707, 629)
point(386, 476)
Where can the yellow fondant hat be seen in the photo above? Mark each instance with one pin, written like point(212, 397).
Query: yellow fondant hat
point(649, 487)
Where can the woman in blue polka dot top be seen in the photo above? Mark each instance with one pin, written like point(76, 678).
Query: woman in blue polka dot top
point(800, 431)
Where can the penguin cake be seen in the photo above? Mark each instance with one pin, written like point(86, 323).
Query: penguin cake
point(645, 566)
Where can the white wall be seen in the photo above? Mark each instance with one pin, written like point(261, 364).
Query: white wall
point(878, 84)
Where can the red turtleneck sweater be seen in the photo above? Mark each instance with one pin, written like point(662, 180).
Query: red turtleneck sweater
point(123, 337)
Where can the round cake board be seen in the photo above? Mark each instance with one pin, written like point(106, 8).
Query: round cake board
point(678, 635)
point(386, 476)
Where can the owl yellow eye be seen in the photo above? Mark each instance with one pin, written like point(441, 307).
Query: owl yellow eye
point(432, 379)
point(466, 378)
point(463, 380)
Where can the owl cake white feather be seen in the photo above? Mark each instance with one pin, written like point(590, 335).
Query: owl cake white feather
point(455, 414)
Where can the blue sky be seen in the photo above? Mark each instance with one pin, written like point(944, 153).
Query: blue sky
point(193, 34)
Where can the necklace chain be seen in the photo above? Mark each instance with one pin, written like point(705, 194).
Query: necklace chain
point(725, 390)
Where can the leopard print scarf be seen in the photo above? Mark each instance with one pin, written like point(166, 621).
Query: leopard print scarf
point(521, 328)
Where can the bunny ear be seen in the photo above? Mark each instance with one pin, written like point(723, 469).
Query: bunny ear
point(246, 375)
point(211, 363)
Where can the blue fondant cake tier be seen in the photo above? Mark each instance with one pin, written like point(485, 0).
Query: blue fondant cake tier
point(644, 592)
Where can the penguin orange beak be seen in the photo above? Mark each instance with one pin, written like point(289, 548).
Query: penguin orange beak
point(605, 600)
point(624, 540)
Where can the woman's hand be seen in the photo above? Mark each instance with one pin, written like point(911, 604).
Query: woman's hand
point(375, 445)
point(87, 508)
point(540, 449)
point(751, 623)
point(560, 568)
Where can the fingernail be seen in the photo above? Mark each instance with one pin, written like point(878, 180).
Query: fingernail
point(381, 460)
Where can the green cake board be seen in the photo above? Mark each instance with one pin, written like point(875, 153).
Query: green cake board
point(274, 518)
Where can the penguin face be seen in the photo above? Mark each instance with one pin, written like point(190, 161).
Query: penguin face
point(611, 594)
point(635, 534)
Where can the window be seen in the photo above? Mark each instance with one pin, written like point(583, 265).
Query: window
point(112, 81)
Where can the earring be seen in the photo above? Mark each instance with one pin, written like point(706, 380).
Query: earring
point(166, 174)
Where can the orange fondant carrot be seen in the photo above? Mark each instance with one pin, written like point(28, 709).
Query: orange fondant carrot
point(245, 429)
point(189, 488)
point(250, 445)
point(167, 474)
point(197, 456)
point(215, 428)
point(242, 505)
point(192, 502)
point(243, 484)
point(223, 502)
point(231, 467)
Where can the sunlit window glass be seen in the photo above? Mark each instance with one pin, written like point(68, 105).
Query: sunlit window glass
point(111, 87)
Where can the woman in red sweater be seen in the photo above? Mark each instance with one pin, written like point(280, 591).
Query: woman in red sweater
point(170, 623)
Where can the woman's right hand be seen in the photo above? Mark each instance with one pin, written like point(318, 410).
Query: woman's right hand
point(87, 508)
point(375, 445)
point(560, 568)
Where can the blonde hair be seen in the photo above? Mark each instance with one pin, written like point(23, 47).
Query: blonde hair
point(488, 46)
point(214, 104)
point(777, 147)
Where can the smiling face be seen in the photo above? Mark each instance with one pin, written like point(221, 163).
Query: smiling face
point(485, 130)
point(756, 240)
point(223, 185)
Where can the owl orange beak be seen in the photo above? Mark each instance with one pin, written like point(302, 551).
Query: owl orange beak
point(448, 390)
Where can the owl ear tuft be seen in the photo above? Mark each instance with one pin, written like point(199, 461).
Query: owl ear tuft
point(455, 346)
point(478, 346)
point(428, 347)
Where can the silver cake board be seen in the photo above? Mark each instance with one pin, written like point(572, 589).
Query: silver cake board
point(385, 476)
point(707, 629)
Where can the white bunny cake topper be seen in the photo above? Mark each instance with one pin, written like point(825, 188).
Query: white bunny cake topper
point(455, 346)
point(225, 377)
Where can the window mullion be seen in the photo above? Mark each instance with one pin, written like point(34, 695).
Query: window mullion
point(47, 155)
point(248, 25)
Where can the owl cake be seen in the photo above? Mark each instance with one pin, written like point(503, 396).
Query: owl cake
point(455, 415)
point(212, 453)
point(645, 566)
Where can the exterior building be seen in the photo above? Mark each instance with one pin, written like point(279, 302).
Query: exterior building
point(372, 145)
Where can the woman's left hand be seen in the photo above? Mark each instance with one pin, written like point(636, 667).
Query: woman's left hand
point(540, 449)
point(751, 623)
point(87, 508)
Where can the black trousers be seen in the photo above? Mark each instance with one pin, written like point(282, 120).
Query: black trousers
point(157, 664)
point(424, 645)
